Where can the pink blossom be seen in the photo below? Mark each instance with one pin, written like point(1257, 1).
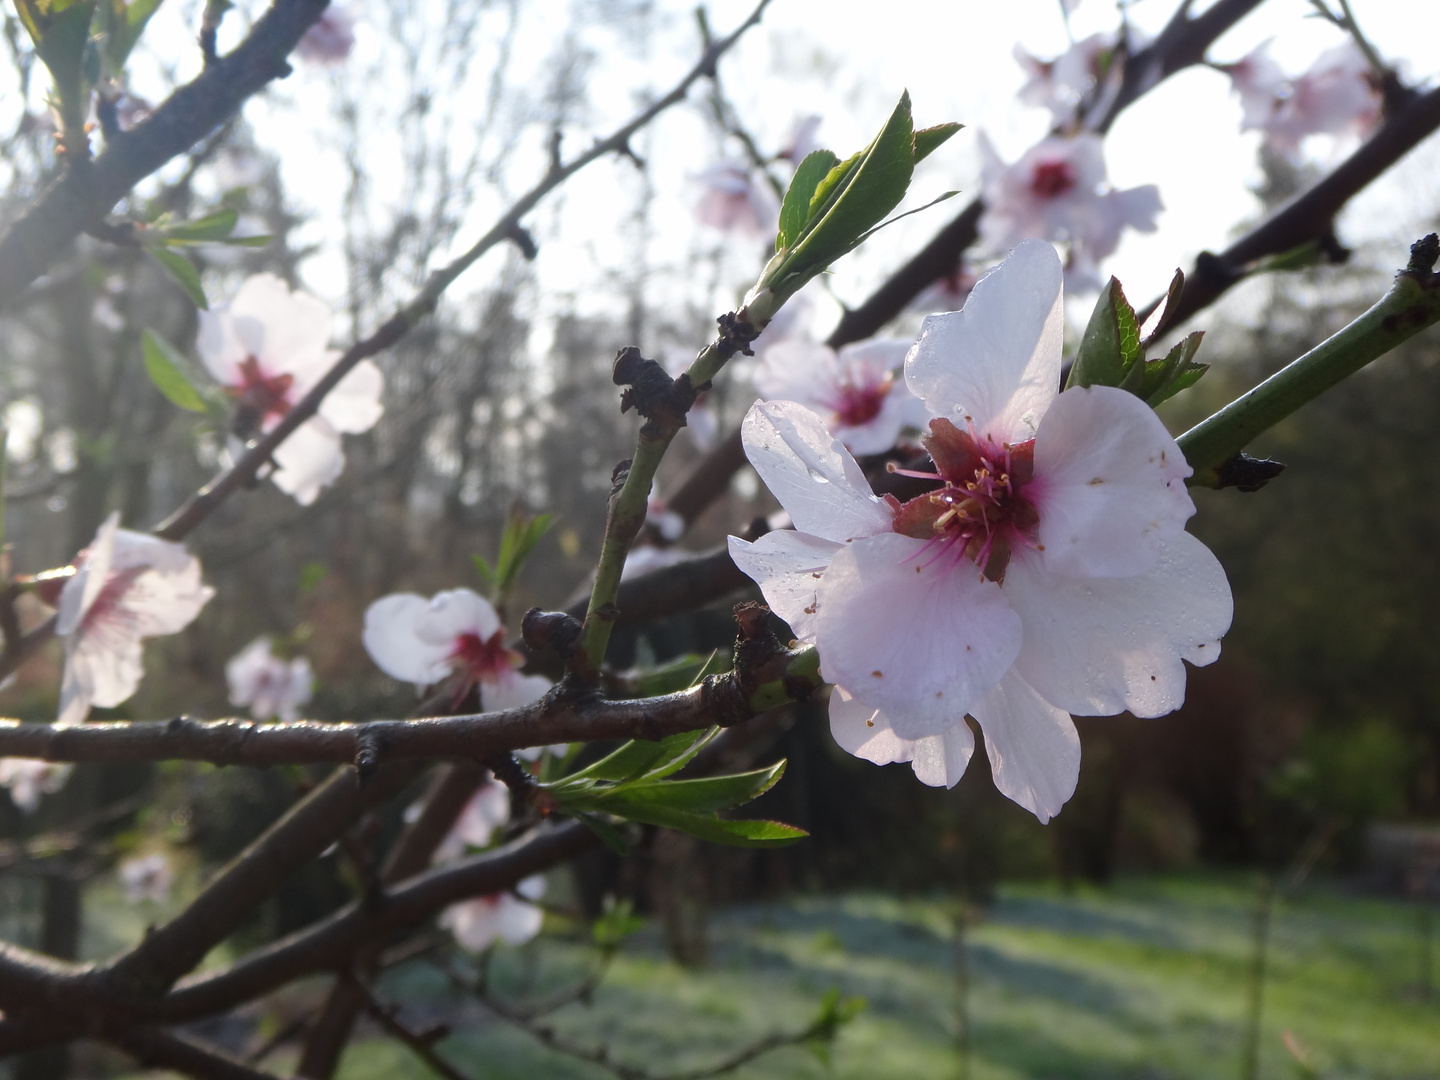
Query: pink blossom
point(1337, 96)
point(1062, 83)
point(28, 779)
point(270, 686)
point(147, 877)
point(733, 199)
point(1057, 191)
point(859, 392)
point(477, 924)
point(268, 347)
point(948, 293)
point(1049, 573)
point(330, 39)
point(128, 586)
point(487, 810)
point(422, 641)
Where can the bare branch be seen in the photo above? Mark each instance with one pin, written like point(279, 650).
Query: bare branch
point(83, 195)
point(422, 1045)
point(153, 1047)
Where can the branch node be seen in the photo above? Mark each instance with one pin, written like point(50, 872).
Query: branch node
point(367, 753)
point(736, 335)
point(1423, 255)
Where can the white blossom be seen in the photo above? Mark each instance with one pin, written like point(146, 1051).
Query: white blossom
point(28, 779)
point(859, 391)
point(127, 586)
point(487, 810)
point(147, 877)
point(479, 923)
point(268, 347)
point(330, 39)
point(1336, 96)
point(1048, 573)
point(269, 686)
point(1057, 191)
point(734, 199)
point(422, 641)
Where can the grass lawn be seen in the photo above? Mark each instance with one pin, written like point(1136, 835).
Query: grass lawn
point(1143, 980)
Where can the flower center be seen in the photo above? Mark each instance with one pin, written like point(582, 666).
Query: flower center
point(1051, 179)
point(855, 405)
point(483, 660)
point(260, 395)
point(981, 510)
point(108, 607)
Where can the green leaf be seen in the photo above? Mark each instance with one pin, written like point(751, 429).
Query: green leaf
point(928, 140)
point(609, 835)
point(1178, 371)
point(170, 372)
point(615, 924)
point(795, 212)
point(522, 533)
point(680, 673)
point(1110, 346)
point(246, 241)
point(61, 32)
point(1157, 319)
point(203, 230)
point(708, 794)
point(183, 271)
point(123, 24)
point(637, 757)
point(482, 567)
point(860, 196)
point(746, 833)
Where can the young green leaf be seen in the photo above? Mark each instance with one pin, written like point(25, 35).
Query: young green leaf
point(204, 230)
point(61, 31)
point(795, 212)
point(1178, 371)
point(184, 273)
point(170, 372)
point(1110, 346)
point(707, 794)
point(680, 673)
point(746, 833)
point(928, 140)
point(637, 757)
point(122, 24)
point(609, 835)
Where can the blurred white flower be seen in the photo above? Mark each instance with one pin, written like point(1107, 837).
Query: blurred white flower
point(28, 779)
point(948, 293)
point(1062, 83)
point(127, 586)
point(858, 392)
point(477, 924)
point(330, 39)
point(268, 347)
point(802, 141)
point(487, 810)
point(1337, 96)
point(422, 641)
point(644, 558)
point(147, 877)
point(269, 686)
point(1057, 191)
point(733, 199)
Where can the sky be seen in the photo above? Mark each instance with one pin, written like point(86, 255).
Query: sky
point(847, 62)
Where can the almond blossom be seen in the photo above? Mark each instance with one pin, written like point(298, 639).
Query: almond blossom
point(127, 586)
point(802, 142)
point(329, 39)
point(269, 686)
point(1058, 191)
point(423, 641)
point(733, 199)
point(147, 877)
point(487, 810)
point(28, 779)
point(268, 347)
point(1337, 96)
point(1046, 573)
point(855, 391)
point(506, 916)
point(1062, 83)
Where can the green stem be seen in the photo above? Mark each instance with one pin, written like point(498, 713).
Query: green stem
point(1411, 305)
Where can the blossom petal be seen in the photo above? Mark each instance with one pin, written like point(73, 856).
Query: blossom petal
point(920, 636)
point(104, 668)
point(940, 760)
point(1109, 484)
point(996, 362)
point(796, 371)
point(287, 332)
point(813, 476)
point(1034, 748)
point(395, 646)
point(354, 405)
point(455, 612)
point(91, 572)
point(310, 459)
point(865, 731)
point(513, 691)
point(1100, 646)
point(787, 566)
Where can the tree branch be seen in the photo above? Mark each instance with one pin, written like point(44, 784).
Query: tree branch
point(85, 193)
point(155, 1048)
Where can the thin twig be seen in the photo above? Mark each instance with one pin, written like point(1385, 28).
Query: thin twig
point(419, 1044)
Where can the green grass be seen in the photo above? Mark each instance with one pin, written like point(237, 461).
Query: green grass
point(1143, 980)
